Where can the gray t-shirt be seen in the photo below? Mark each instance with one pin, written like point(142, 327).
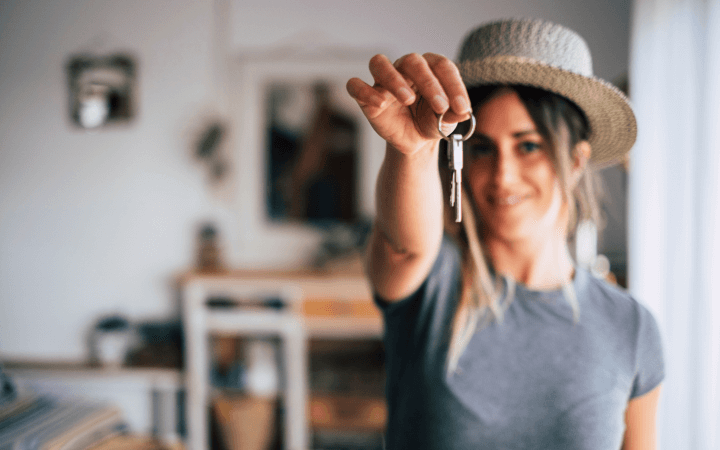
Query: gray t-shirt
point(538, 380)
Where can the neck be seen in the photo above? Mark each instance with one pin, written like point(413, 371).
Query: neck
point(539, 262)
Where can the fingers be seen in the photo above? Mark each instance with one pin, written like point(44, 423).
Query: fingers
point(373, 100)
point(386, 75)
point(363, 94)
point(432, 76)
point(449, 77)
point(438, 80)
point(411, 93)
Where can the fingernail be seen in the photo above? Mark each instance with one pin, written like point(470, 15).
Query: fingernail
point(405, 95)
point(462, 105)
point(439, 103)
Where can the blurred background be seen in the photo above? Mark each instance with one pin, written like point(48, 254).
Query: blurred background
point(145, 142)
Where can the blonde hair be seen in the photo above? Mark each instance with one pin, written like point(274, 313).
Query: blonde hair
point(482, 301)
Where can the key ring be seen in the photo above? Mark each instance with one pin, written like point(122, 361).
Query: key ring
point(464, 138)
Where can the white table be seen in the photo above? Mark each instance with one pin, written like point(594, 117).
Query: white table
point(289, 324)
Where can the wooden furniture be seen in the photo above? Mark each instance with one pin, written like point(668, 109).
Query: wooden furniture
point(318, 305)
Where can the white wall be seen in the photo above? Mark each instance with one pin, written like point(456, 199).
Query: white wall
point(403, 26)
point(103, 221)
point(93, 222)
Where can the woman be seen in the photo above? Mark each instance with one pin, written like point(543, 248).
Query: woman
point(494, 338)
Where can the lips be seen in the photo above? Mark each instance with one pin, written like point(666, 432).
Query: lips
point(506, 200)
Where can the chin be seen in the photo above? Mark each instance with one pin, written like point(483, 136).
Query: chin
point(508, 232)
point(511, 229)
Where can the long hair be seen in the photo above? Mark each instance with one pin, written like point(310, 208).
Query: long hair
point(482, 300)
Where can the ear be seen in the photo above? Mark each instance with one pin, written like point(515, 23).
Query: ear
point(581, 155)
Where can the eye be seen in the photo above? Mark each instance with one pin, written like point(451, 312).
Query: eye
point(529, 146)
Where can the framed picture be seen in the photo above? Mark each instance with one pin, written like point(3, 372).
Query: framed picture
point(306, 158)
point(101, 89)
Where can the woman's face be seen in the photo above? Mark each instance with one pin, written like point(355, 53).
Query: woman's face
point(511, 173)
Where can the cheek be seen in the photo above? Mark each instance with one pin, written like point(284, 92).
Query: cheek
point(476, 178)
point(550, 184)
point(477, 172)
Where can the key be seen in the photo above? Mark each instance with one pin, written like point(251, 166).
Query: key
point(455, 162)
point(455, 158)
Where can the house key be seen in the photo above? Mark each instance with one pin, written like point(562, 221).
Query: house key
point(455, 159)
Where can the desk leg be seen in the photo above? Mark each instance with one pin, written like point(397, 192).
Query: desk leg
point(165, 414)
point(296, 422)
point(196, 368)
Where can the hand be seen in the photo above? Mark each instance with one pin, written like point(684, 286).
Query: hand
point(403, 104)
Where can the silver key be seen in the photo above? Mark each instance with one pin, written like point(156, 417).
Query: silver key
point(455, 158)
point(455, 162)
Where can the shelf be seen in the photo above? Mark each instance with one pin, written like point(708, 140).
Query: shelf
point(251, 322)
point(343, 328)
point(348, 413)
point(349, 318)
point(172, 378)
point(298, 284)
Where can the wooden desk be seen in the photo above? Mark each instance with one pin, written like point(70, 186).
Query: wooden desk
point(318, 305)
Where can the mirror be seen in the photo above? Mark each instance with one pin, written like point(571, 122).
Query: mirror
point(312, 155)
point(305, 158)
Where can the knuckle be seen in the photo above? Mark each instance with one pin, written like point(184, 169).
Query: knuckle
point(427, 84)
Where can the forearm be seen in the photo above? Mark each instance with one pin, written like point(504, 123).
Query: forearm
point(409, 201)
point(409, 221)
point(403, 106)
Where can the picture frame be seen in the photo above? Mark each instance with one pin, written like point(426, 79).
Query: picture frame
point(101, 89)
point(268, 235)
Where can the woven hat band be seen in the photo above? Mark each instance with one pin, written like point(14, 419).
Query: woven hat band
point(544, 42)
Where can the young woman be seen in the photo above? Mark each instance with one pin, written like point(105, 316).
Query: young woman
point(494, 337)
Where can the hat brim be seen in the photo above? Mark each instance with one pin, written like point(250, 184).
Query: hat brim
point(613, 128)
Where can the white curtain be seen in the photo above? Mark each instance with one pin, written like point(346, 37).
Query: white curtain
point(674, 207)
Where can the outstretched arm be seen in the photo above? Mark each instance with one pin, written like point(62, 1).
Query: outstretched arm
point(402, 106)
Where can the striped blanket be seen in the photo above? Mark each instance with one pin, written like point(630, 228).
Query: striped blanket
point(41, 422)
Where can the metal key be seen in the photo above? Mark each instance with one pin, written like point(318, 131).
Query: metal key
point(455, 162)
point(455, 157)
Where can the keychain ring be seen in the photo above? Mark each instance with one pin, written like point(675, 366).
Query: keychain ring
point(467, 135)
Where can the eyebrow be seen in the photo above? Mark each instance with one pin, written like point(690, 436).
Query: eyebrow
point(516, 135)
point(520, 134)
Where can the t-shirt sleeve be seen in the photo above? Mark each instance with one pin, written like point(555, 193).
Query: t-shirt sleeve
point(415, 326)
point(420, 317)
point(649, 361)
point(392, 311)
point(444, 270)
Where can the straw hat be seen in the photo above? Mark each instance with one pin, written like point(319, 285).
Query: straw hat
point(551, 57)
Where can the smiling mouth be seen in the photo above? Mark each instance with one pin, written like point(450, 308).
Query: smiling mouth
point(509, 200)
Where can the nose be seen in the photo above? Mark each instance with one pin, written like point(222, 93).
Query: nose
point(506, 167)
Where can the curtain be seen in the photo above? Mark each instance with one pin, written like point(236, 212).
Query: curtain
point(674, 207)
